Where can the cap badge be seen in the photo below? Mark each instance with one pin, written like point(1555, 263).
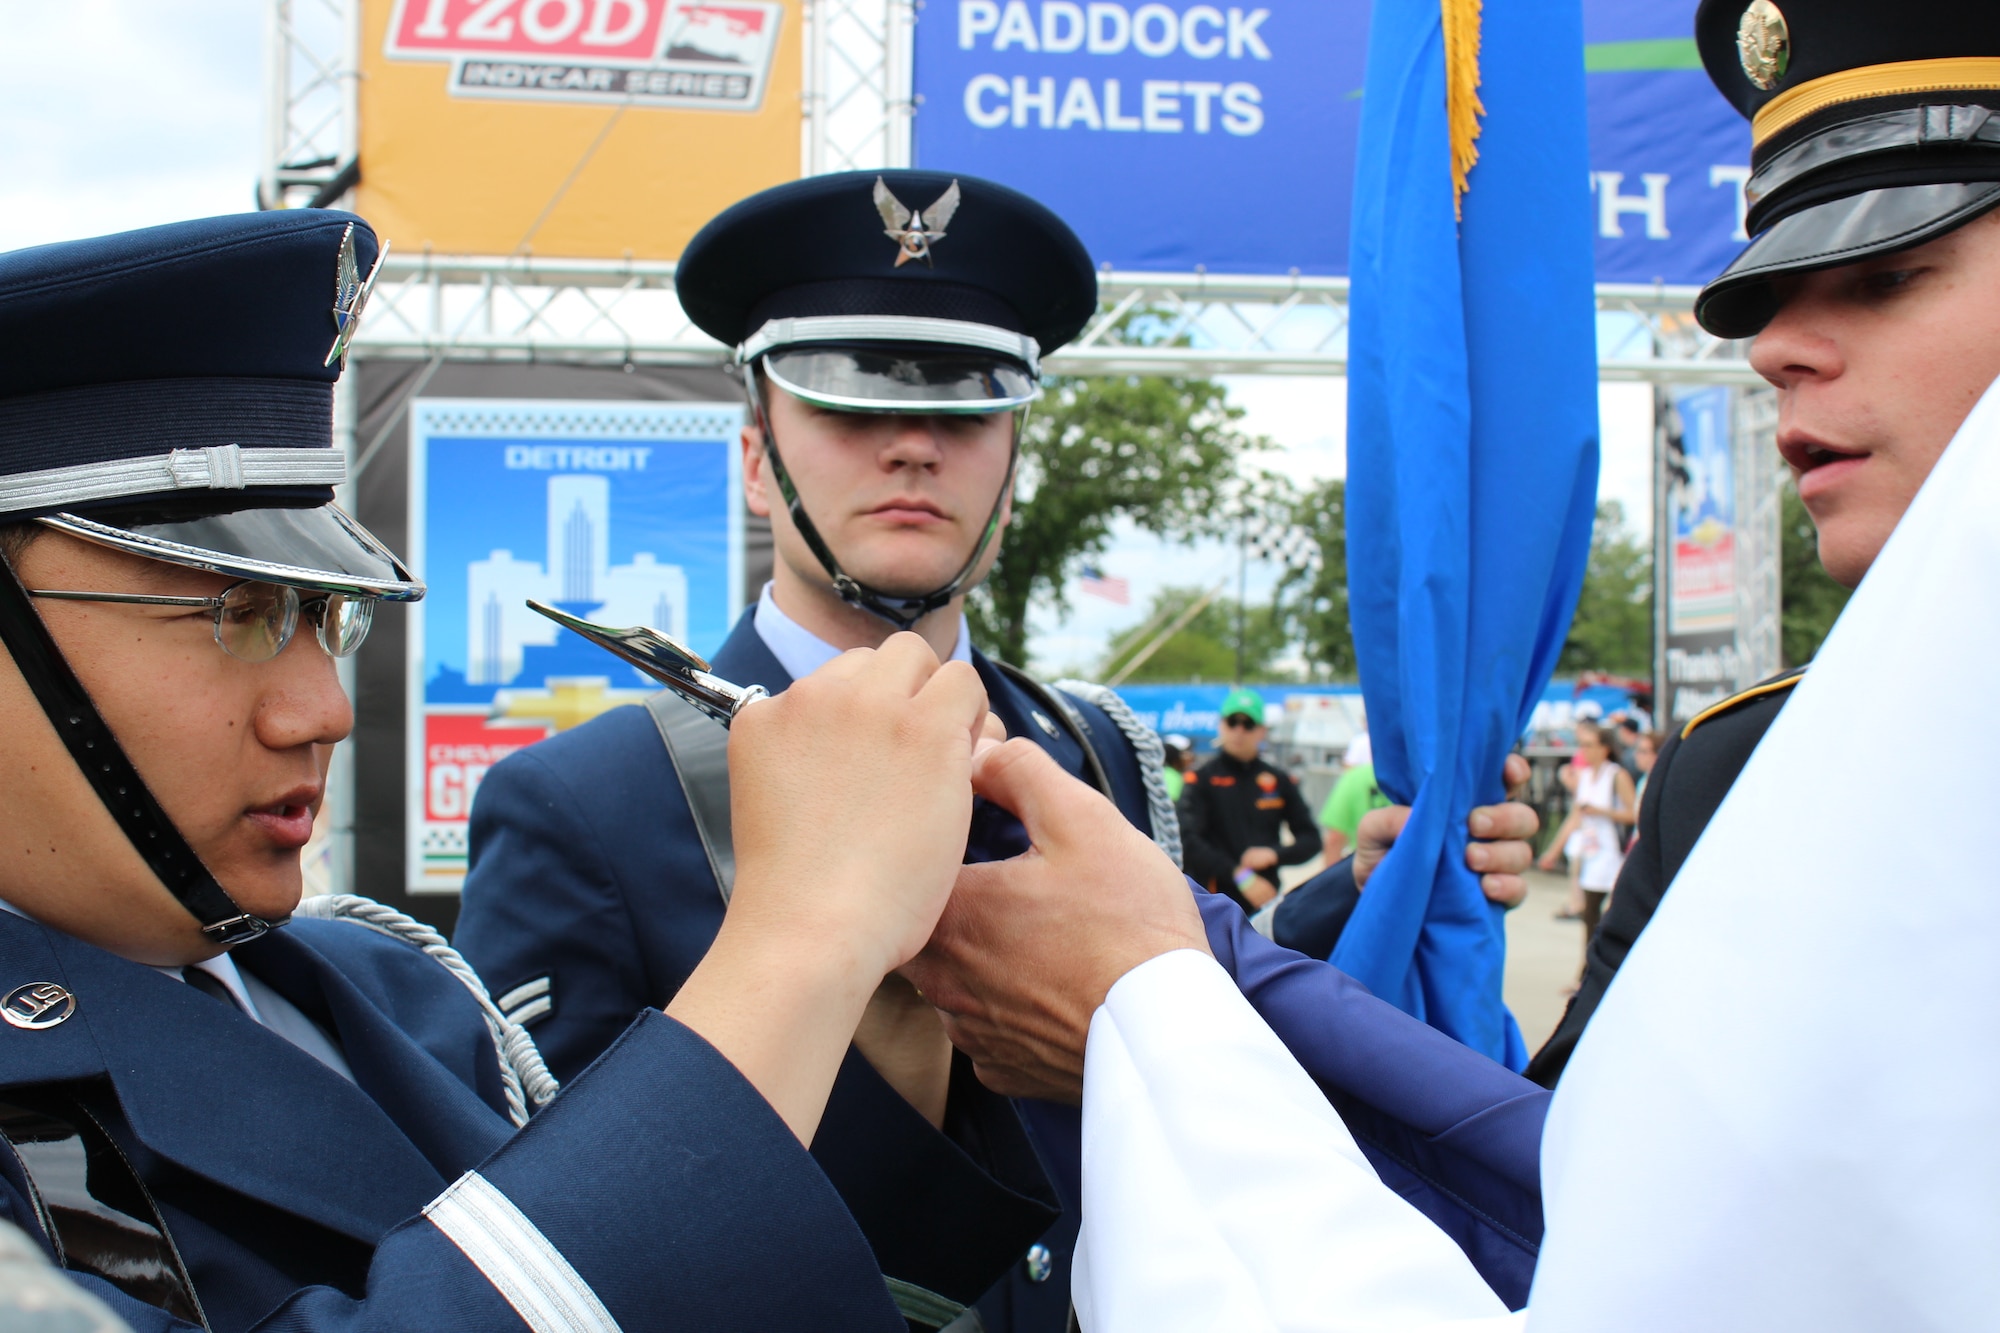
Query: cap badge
point(39, 1004)
point(350, 294)
point(913, 233)
point(1763, 43)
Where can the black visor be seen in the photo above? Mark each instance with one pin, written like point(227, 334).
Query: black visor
point(317, 547)
point(1740, 302)
point(879, 377)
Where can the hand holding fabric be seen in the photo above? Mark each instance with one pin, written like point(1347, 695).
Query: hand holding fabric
point(831, 895)
point(1499, 852)
point(850, 795)
point(1027, 948)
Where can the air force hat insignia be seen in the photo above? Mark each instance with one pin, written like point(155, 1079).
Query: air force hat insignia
point(350, 295)
point(913, 233)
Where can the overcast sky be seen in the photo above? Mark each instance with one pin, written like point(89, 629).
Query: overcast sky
point(123, 113)
point(118, 114)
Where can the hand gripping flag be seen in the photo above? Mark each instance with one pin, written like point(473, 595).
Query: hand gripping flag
point(1472, 456)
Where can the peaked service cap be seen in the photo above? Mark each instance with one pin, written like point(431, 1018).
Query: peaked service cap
point(892, 290)
point(169, 392)
point(1874, 128)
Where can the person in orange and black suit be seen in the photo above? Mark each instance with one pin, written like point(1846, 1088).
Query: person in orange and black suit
point(1234, 805)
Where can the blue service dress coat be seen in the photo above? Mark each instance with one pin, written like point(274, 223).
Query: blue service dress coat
point(588, 875)
point(657, 1191)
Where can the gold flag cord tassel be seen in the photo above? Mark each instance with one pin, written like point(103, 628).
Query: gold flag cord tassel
point(1461, 81)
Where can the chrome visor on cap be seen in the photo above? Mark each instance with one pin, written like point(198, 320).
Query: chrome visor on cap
point(320, 548)
point(901, 378)
point(1740, 302)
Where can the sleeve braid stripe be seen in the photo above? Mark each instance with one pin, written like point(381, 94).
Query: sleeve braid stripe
point(1150, 753)
point(517, 1259)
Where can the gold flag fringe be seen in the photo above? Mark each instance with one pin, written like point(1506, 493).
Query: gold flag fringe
point(1462, 105)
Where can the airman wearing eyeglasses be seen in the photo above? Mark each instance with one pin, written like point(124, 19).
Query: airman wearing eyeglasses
point(210, 1121)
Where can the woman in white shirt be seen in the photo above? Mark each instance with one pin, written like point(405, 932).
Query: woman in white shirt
point(1593, 836)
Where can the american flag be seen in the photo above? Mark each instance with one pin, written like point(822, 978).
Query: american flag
point(1098, 584)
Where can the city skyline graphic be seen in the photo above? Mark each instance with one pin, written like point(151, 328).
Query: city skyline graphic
point(578, 576)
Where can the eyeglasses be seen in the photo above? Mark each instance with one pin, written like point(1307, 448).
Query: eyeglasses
point(254, 621)
point(1241, 721)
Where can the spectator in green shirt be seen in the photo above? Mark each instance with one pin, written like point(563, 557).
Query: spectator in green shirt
point(1353, 796)
point(1179, 759)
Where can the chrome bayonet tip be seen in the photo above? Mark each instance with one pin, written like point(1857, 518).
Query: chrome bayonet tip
point(665, 659)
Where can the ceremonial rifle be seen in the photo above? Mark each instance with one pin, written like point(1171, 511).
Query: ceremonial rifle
point(666, 660)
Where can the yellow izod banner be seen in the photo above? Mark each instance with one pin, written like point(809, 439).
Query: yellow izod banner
point(474, 114)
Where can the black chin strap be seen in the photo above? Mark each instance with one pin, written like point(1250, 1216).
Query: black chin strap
point(103, 761)
point(902, 612)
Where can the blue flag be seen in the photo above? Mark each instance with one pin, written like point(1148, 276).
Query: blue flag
point(1472, 463)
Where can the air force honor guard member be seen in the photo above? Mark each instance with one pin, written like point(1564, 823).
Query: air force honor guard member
point(890, 328)
point(209, 1117)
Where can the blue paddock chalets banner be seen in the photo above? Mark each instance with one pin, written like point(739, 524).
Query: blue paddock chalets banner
point(1223, 136)
point(1472, 469)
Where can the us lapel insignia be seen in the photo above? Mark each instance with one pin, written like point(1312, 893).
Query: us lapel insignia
point(37, 1005)
point(914, 233)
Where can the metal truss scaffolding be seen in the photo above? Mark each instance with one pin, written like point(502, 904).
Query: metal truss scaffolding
point(1759, 587)
point(858, 99)
point(858, 106)
point(617, 311)
point(311, 121)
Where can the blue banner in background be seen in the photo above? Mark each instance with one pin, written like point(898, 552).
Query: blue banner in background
point(1169, 135)
point(1195, 710)
point(1668, 157)
point(1176, 136)
point(622, 512)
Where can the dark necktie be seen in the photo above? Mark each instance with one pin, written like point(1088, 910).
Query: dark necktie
point(210, 984)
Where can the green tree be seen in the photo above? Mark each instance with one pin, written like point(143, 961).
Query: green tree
point(1314, 602)
point(1205, 648)
point(1809, 598)
point(1613, 627)
point(1159, 452)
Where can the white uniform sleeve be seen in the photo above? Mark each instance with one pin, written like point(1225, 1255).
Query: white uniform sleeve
point(1221, 1191)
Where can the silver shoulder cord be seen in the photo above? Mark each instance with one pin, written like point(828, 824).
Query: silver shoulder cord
point(524, 1079)
point(1147, 749)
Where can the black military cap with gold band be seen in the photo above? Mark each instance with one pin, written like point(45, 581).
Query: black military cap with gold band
point(1874, 128)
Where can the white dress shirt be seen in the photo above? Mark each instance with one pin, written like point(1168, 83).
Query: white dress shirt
point(260, 1003)
point(801, 652)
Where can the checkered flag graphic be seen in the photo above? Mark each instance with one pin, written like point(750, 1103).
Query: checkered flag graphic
point(1284, 544)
